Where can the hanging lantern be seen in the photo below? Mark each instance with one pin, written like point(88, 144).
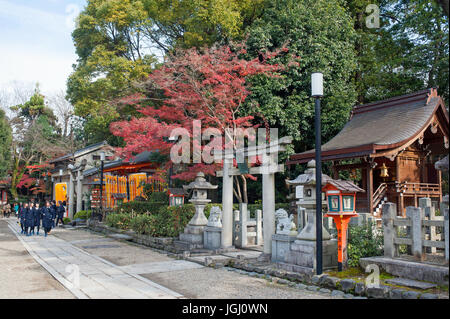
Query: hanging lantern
point(384, 171)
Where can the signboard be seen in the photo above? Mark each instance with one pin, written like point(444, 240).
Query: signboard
point(299, 191)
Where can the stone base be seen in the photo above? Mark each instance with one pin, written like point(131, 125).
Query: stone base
point(295, 268)
point(192, 238)
point(185, 246)
point(281, 244)
point(212, 237)
point(409, 269)
point(303, 253)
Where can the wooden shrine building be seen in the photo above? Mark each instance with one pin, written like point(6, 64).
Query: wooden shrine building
point(393, 144)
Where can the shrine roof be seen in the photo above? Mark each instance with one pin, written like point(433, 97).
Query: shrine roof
point(345, 186)
point(382, 125)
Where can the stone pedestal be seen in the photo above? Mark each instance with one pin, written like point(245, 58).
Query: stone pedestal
point(212, 237)
point(302, 256)
point(281, 246)
point(192, 238)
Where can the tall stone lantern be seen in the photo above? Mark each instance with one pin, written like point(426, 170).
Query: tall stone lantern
point(302, 254)
point(193, 232)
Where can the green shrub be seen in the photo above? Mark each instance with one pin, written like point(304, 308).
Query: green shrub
point(159, 197)
point(364, 241)
point(83, 214)
point(140, 207)
point(121, 221)
point(66, 220)
point(143, 223)
point(168, 222)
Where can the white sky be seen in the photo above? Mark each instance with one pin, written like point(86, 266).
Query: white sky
point(36, 43)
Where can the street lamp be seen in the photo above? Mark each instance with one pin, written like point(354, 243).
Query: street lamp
point(317, 92)
point(60, 175)
point(102, 160)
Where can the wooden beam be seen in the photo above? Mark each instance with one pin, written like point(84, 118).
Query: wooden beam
point(370, 189)
point(351, 166)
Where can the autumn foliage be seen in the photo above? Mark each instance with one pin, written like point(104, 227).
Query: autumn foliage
point(207, 85)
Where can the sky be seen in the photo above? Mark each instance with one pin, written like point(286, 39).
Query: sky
point(36, 43)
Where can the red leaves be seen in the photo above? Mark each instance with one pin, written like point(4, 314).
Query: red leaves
point(209, 86)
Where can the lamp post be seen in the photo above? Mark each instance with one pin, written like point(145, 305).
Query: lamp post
point(60, 175)
point(102, 160)
point(317, 92)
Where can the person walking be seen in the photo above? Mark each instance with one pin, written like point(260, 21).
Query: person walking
point(47, 220)
point(36, 218)
point(22, 214)
point(8, 210)
point(16, 209)
point(60, 213)
point(29, 220)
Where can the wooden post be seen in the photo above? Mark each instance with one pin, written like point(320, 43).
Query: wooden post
point(446, 236)
point(370, 189)
point(335, 171)
point(401, 204)
point(389, 211)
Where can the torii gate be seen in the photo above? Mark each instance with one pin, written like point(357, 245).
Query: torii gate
point(267, 170)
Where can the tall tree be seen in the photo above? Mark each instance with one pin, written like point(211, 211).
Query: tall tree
point(116, 42)
point(208, 86)
point(319, 34)
point(5, 144)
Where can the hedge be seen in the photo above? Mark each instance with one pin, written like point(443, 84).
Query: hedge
point(140, 207)
point(166, 221)
point(83, 214)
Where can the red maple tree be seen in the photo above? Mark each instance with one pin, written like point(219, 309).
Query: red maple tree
point(207, 85)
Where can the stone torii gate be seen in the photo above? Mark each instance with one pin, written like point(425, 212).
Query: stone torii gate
point(269, 152)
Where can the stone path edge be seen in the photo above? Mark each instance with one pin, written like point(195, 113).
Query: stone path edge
point(76, 292)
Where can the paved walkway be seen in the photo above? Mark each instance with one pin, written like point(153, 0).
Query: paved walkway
point(98, 278)
point(111, 268)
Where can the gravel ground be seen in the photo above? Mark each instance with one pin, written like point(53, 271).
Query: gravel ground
point(204, 282)
point(209, 283)
point(21, 276)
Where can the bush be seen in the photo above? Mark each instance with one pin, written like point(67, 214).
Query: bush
point(142, 224)
point(364, 241)
point(121, 221)
point(159, 197)
point(140, 207)
point(83, 214)
point(66, 220)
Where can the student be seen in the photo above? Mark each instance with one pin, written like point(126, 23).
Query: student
point(16, 209)
point(22, 212)
point(8, 210)
point(54, 212)
point(36, 218)
point(29, 220)
point(47, 218)
point(60, 213)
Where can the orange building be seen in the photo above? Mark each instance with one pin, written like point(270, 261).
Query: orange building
point(123, 180)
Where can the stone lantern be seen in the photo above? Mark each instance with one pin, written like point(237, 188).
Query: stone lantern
point(302, 254)
point(193, 232)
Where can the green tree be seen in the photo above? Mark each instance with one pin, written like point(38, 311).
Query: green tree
point(408, 52)
point(116, 42)
point(321, 34)
point(5, 144)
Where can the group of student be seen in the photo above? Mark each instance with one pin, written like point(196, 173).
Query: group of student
point(31, 216)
